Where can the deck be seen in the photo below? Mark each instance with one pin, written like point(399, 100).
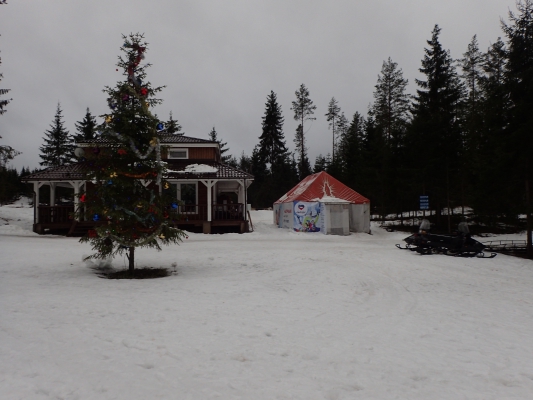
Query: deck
point(194, 217)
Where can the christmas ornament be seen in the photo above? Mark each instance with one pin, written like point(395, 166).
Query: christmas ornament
point(122, 152)
point(83, 198)
point(108, 119)
point(162, 236)
point(167, 185)
point(79, 152)
point(144, 92)
point(96, 217)
point(125, 97)
point(113, 175)
point(174, 205)
point(160, 126)
point(92, 233)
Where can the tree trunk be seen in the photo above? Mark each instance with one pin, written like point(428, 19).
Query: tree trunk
point(131, 258)
point(529, 245)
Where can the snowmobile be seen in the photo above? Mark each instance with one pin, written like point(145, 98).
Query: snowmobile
point(458, 244)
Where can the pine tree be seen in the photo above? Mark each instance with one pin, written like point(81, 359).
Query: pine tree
point(173, 126)
point(4, 102)
point(58, 148)
point(86, 128)
point(213, 136)
point(304, 166)
point(335, 164)
point(128, 198)
point(303, 109)
point(519, 80)
point(6, 152)
point(333, 114)
point(391, 104)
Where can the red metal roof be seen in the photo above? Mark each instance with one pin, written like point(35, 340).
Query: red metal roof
point(321, 186)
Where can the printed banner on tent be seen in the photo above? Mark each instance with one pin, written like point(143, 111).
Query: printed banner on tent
point(308, 216)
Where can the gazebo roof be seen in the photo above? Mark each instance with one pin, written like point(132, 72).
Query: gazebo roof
point(176, 170)
point(165, 138)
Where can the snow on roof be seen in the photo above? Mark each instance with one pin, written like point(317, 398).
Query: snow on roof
point(322, 187)
point(197, 169)
point(330, 199)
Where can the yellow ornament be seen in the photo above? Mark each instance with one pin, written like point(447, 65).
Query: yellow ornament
point(162, 236)
point(108, 119)
point(167, 185)
point(113, 175)
point(153, 142)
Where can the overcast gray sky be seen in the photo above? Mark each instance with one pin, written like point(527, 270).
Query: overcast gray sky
point(220, 59)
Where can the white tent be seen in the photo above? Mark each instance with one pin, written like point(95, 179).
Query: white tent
point(321, 203)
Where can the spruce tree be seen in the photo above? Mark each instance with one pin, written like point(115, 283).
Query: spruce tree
point(86, 128)
point(58, 148)
point(272, 144)
point(435, 133)
point(213, 136)
point(519, 80)
point(129, 199)
point(303, 108)
point(173, 126)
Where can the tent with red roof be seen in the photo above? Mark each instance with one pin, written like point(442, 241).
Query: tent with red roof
point(321, 203)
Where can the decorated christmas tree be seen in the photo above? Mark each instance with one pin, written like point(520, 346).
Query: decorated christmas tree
point(127, 194)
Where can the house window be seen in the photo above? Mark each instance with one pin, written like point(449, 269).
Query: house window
point(182, 154)
point(188, 197)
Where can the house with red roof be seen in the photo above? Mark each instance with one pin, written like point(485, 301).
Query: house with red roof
point(211, 196)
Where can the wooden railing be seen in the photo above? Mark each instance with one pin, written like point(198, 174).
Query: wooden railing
point(228, 212)
point(55, 214)
point(183, 213)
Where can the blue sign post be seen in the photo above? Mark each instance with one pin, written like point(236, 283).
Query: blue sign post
point(424, 202)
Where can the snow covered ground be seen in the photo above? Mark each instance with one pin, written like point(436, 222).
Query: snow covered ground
point(268, 315)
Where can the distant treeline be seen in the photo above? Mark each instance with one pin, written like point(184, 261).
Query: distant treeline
point(464, 139)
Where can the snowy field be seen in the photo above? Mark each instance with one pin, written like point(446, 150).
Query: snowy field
point(268, 315)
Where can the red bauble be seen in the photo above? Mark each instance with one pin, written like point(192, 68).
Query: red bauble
point(144, 91)
point(122, 152)
point(83, 198)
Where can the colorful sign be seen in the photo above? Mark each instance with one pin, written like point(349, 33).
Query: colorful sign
point(308, 216)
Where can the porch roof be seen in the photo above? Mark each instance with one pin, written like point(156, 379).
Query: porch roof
point(76, 172)
point(164, 138)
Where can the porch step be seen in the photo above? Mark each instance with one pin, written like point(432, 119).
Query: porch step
point(79, 229)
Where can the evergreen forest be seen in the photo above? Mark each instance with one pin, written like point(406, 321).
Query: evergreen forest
point(464, 138)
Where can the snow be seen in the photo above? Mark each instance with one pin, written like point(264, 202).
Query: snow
point(331, 199)
point(272, 314)
point(197, 169)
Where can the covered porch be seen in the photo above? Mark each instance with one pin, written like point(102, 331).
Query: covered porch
point(210, 204)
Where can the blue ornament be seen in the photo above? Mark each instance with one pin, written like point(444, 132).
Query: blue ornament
point(96, 217)
point(174, 205)
point(160, 126)
point(110, 182)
